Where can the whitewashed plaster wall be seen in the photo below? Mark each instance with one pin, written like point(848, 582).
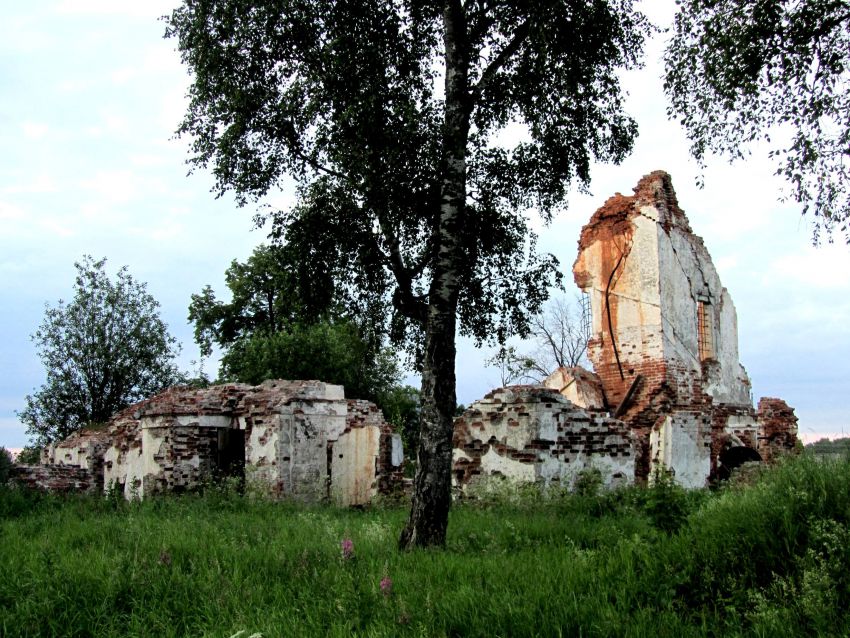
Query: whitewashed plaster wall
point(531, 435)
point(682, 446)
point(688, 277)
point(353, 471)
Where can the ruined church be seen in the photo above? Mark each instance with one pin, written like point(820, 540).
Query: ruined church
point(667, 394)
point(667, 391)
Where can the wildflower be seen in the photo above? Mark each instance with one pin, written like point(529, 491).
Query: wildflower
point(386, 586)
point(347, 546)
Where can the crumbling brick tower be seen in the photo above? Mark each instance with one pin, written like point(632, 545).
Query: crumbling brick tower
point(664, 337)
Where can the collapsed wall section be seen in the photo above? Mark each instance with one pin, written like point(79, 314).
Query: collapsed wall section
point(56, 478)
point(292, 439)
point(287, 434)
point(367, 457)
point(777, 428)
point(534, 435)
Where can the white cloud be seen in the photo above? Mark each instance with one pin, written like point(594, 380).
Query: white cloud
point(64, 228)
point(824, 267)
point(74, 85)
point(149, 160)
point(24, 35)
point(123, 76)
point(172, 108)
point(37, 185)
point(114, 186)
point(162, 58)
point(10, 213)
point(167, 230)
point(34, 130)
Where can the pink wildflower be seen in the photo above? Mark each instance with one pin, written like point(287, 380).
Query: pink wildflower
point(386, 586)
point(347, 548)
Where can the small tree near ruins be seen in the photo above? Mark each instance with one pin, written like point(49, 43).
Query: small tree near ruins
point(103, 350)
point(391, 115)
point(279, 325)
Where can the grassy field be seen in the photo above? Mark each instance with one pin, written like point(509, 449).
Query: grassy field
point(768, 559)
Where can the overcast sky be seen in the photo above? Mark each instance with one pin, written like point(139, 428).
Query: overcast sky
point(91, 95)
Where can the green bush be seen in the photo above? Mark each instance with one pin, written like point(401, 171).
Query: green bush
point(6, 464)
point(30, 455)
point(667, 503)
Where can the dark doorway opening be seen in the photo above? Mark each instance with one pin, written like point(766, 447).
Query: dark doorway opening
point(230, 457)
point(735, 457)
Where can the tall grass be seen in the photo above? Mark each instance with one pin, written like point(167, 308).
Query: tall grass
point(765, 559)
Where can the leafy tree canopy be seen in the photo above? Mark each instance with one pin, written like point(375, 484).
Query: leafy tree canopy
point(391, 116)
point(103, 350)
point(827, 446)
point(331, 351)
point(284, 324)
point(29, 455)
point(739, 71)
point(267, 295)
point(346, 97)
point(6, 464)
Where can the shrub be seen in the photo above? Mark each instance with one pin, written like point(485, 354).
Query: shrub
point(30, 455)
point(5, 465)
point(667, 503)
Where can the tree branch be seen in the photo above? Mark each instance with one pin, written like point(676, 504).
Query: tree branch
point(500, 60)
point(320, 167)
point(404, 300)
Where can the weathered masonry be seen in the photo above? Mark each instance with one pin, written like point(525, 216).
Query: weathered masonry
point(664, 348)
point(296, 439)
point(533, 434)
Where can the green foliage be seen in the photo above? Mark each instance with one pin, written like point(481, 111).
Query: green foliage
point(277, 326)
point(589, 482)
point(772, 559)
point(740, 71)
point(106, 348)
point(406, 195)
point(331, 351)
point(267, 295)
point(827, 447)
point(29, 455)
point(345, 98)
point(401, 407)
point(5, 465)
point(666, 503)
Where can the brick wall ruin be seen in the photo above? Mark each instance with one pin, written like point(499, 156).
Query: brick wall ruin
point(664, 349)
point(295, 439)
point(777, 433)
point(664, 337)
point(535, 435)
point(56, 478)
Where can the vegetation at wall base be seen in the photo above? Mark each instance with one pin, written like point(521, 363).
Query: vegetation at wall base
point(769, 558)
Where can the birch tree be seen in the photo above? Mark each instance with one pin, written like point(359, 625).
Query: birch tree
point(775, 72)
point(420, 134)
